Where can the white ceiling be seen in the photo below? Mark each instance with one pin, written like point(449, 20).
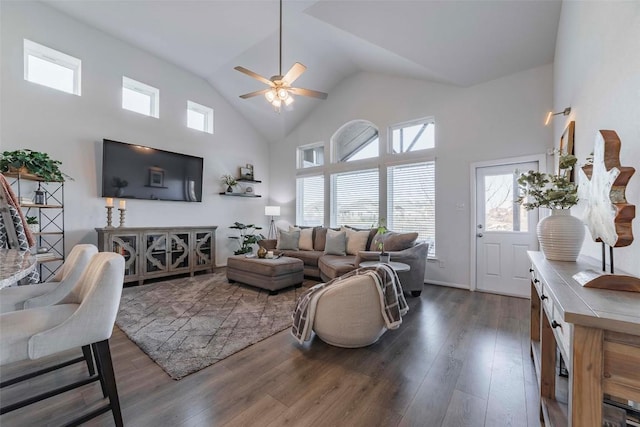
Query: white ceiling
point(457, 42)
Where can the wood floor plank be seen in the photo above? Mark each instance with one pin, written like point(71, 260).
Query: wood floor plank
point(458, 359)
point(465, 410)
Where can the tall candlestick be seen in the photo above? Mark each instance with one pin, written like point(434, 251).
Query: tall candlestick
point(123, 204)
point(109, 202)
point(109, 216)
point(122, 211)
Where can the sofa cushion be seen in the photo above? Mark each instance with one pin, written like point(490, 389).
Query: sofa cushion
point(356, 240)
point(308, 257)
point(333, 266)
point(336, 243)
point(288, 240)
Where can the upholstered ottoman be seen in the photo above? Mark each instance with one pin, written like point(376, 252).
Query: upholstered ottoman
point(269, 274)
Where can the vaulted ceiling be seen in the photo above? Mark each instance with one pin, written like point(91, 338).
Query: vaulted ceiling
point(456, 42)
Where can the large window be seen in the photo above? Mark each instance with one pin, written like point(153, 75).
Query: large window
point(48, 67)
point(310, 200)
point(411, 204)
point(199, 117)
point(397, 185)
point(354, 198)
point(413, 136)
point(140, 97)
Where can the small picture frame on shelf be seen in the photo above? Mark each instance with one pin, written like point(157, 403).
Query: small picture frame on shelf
point(246, 173)
point(156, 177)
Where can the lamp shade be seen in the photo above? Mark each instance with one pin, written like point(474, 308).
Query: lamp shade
point(272, 210)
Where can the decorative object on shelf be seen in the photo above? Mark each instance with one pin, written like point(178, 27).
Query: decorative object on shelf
point(248, 237)
point(156, 177)
point(33, 162)
point(249, 190)
point(272, 211)
point(262, 252)
point(32, 222)
point(120, 184)
point(566, 147)
point(246, 173)
point(122, 207)
point(229, 181)
point(608, 215)
point(564, 112)
point(40, 197)
point(109, 206)
point(560, 234)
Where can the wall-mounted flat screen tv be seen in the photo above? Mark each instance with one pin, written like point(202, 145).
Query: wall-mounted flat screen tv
point(136, 172)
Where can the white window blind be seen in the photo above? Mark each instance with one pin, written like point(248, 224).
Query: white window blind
point(310, 200)
point(411, 200)
point(355, 198)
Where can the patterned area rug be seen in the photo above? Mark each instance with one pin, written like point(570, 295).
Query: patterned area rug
point(187, 324)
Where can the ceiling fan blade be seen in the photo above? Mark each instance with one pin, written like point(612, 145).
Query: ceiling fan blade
point(254, 75)
point(256, 93)
point(307, 92)
point(294, 72)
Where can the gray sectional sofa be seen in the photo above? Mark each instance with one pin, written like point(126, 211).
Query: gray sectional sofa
point(402, 247)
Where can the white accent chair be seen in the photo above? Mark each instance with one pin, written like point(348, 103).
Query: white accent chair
point(49, 293)
point(349, 313)
point(84, 317)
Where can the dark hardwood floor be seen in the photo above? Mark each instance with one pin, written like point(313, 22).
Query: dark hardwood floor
point(459, 359)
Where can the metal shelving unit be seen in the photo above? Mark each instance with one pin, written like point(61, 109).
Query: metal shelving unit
point(50, 218)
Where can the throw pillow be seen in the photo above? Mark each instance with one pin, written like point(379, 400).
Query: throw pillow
point(288, 240)
point(394, 242)
point(306, 238)
point(321, 239)
point(336, 243)
point(356, 240)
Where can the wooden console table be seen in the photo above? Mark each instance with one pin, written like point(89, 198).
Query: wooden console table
point(598, 334)
point(151, 252)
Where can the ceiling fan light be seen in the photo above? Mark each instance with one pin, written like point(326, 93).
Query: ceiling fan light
point(271, 95)
point(276, 103)
point(283, 94)
point(288, 100)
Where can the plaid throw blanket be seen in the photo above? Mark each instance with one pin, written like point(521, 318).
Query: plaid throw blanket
point(393, 304)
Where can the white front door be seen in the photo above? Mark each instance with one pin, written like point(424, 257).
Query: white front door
point(504, 231)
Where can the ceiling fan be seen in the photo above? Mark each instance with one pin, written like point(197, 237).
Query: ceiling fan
point(280, 90)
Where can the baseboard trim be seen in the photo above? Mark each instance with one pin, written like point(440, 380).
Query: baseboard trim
point(450, 285)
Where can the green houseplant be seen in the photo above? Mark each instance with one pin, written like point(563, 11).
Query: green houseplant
point(560, 234)
point(229, 181)
point(32, 222)
point(33, 162)
point(248, 237)
point(381, 229)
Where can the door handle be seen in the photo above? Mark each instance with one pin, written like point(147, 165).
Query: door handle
point(479, 234)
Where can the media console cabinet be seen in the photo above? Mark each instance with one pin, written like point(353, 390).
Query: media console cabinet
point(151, 252)
point(598, 334)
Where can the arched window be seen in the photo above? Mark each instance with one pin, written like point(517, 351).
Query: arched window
point(355, 140)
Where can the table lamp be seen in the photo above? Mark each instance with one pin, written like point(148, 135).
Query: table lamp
point(272, 211)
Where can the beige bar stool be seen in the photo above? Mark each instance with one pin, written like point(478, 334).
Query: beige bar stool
point(84, 317)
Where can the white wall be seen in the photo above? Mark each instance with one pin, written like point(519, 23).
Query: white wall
point(498, 119)
point(597, 73)
point(71, 128)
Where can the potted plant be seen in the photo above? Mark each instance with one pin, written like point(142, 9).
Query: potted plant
point(381, 229)
point(560, 234)
point(32, 223)
point(32, 162)
point(248, 237)
point(229, 181)
point(120, 184)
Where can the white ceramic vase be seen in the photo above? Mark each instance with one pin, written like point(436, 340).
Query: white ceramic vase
point(560, 235)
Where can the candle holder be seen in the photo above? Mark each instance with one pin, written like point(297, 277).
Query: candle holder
point(109, 216)
point(122, 211)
